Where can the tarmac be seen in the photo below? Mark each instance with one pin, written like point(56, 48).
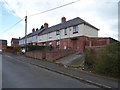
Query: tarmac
point(81, 75)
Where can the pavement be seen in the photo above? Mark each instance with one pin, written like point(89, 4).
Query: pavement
point(98, 80)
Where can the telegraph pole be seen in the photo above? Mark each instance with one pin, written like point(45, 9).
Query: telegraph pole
point(25, 34)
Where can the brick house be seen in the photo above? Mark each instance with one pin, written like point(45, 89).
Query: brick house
point(14, 42)
point(72, 34)
point(3, 44)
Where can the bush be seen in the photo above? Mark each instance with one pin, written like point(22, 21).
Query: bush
point(42, 48)
point(13, 49)
point(16, 50)
point(104, 60)
point(10, 47)
point(89, 60)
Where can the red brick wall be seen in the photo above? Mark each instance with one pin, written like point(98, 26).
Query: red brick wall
point(57, 54)
point(79, 43)
point(48, 55)
point(2, 46)
point(15, 44)
point(98, 41)
point(38, 55)
point(65, 42)
point(54, 44)
point(9, 50)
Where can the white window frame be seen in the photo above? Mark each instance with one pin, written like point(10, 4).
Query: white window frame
point(75, 29)
point(49, 35)
point(65, 31)
point(58, 32)
point(40, 38)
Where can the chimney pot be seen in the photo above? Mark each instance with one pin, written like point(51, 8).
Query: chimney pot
point(63, 19)
point(45, 25)
point(33, 30)
point(36, 29)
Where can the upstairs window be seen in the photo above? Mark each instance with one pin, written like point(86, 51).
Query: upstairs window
point(75, 29)
point(65, 31)
point(49, 35)
point(58, 32)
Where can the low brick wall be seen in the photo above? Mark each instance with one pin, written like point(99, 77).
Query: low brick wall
point(53, 55)
point(38, 55)
point(57, 55)
point(9, 50)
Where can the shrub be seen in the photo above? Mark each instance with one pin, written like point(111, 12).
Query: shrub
point(89, 60)
point(16, 50)
point(104, 60)
point(9, 47)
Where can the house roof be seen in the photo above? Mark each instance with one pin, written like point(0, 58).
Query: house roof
point(3, 42)
point(33, 33)
point(66, 24)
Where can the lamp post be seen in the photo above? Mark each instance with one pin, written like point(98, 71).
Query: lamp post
point(25, 34)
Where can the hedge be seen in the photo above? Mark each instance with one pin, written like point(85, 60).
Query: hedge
point(42, 48)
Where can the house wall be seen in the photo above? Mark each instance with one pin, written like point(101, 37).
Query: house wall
point(29, 40)
point(22, 42)
point(98, 41)
point(66, 41)
point(3, 46)
point(78, 43)
point(82, 30)
point(14, 44)
point(89, 31)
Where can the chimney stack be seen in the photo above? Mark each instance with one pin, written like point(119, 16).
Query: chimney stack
point(33, 30)
point(45, 25)
point(63, 19)
point(36, 29)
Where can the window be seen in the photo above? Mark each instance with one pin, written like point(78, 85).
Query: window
point(75, 29)
point(44, 44)
point(57, 44)
point(50, 43)
point(40, 38)
point(65, 31)
point(49, 35)
point(58, 32)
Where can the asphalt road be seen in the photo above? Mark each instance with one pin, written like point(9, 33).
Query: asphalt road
point(18, 74)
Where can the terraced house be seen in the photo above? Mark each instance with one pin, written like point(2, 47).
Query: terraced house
point(72, 34)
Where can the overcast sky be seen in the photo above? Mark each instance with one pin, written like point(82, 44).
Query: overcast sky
point(102, 14)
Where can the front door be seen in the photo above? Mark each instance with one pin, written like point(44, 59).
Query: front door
point(74, 44)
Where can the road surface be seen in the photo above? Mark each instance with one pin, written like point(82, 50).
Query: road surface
point(18, 74)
